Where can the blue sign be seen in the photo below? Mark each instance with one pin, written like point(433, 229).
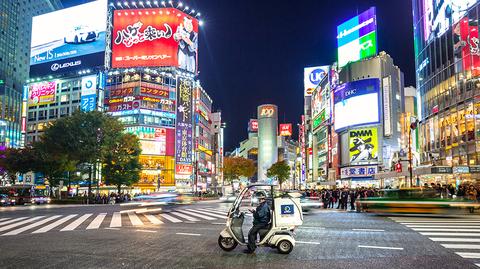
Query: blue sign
point(88, 102)
point(287, 209)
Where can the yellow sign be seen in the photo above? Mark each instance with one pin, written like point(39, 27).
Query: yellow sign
point(204, 149)
point(363, 145)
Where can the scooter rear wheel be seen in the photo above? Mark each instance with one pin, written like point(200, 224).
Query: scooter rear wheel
point(284, 247)
point(227, 243)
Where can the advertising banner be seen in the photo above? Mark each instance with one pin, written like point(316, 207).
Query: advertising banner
point(154, 37)
point(357, 37)
point(42, 93)
point(363, 145)
point(312, 76)
point(88, 97)
point(184, 169)
point(150, 147)
point(358, 171)
point(184, 127)
point(357, 103)
point(65, 40)
point(286, 129)
point(466, 47)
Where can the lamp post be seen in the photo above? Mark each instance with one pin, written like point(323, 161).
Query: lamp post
point(413, 126)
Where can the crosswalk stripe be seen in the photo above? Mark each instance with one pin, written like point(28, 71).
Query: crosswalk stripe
point(116, 220)
point(2, 219)
point(439, 222)
point(134, 219)
point(96, 222)
point(455, 239)
point(31, 226)
point(208, 213)
point(72, 226)
point(451, 234)
point(8, 227)
point(184, 216)
point(214, 211)
point(469, 255)
point(445, 230)
point(12, 220)
point(196, 215)
point(55, 224)
point(153, 219)
point(461, 246)
point(170, 218)
point(442, 226)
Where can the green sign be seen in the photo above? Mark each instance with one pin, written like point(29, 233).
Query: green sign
point(319, 119)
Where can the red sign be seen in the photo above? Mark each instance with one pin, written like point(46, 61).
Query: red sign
point(466, 46)
point(154, 37)
point(184, 169)
point(121, 92)
point(253, 126)
point(286, 129)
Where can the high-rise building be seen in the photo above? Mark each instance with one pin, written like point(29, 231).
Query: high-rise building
point(15, 29)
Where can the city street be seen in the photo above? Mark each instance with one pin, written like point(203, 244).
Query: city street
point(185, 236)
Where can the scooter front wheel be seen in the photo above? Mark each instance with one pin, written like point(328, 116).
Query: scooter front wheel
point(227, 243)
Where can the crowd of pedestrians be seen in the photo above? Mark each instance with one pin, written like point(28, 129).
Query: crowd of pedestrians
point(341, 198)
point(464, 191)
point(104, 198)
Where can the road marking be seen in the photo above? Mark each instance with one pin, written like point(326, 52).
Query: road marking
point(188, 234)
point(439, 222)
point(153, 219)
point(170, 218)
point(148, 210)
point(146, 231)
point(109, 228)
point(55, 224)
point(378, 247)
point(369, 230)
point(33, 225)
point(196, 215)
point(214, 211)
point(96, 222)
point(134, 219)
point(440, 226)
point(311, 243)
point(469, 255)
point(8, 227)
point(207, 213)
point(462, 246)
point(454, 239)
point(116, 220)
point(12, 220)
point(219, 223)
point(450, 234)
point(2, 219)
point(184, 216)
point(444, 230)
point(72, 226)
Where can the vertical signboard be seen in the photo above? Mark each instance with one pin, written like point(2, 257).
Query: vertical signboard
point(88, 101)
point(312, 76)
point(184, 125)
point(387, 114)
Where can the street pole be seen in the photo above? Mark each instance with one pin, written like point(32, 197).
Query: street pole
point(410, 169)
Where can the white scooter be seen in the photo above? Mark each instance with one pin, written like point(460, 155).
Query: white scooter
point(287, 214)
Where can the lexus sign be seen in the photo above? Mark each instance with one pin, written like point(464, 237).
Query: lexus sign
point(57, 66)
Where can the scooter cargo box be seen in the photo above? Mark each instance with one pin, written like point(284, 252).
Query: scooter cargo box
point(288, 212)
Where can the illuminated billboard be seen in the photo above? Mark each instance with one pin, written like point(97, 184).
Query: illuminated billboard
point(68, 39)
point(253, 126)
point(286, 129)
point(88, 99)
point(363, 145)
point(154, 37)
point(465, 46)
point(357, 38)
point(42, 93)
point(357, 103)
point(184, 124)
point(312, 76)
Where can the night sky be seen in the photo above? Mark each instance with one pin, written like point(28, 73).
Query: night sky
point(253, 52)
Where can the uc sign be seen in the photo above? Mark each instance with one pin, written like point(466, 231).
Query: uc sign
point(267, 111)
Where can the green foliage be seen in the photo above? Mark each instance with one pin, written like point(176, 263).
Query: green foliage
point(280, 171)
point(15, 161)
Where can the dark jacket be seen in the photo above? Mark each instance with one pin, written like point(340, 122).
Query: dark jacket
point(261, 214)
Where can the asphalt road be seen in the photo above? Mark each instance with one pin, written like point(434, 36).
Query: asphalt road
point(185, 236)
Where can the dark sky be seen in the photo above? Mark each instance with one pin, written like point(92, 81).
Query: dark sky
point(253, 52)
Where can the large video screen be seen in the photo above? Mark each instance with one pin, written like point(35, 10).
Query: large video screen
point(154, 37)
point(61, 40)
point(357, 103)
point(357, 37)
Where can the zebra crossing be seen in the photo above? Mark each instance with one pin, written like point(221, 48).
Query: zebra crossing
point(115, 220)
point(461, 235)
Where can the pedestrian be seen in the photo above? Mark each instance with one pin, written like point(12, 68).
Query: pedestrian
point(353, 197)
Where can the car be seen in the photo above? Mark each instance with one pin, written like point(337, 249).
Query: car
point(309, 203)
point(5, 200)
point(81, 34)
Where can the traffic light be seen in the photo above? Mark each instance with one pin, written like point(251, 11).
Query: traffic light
point(398, 167)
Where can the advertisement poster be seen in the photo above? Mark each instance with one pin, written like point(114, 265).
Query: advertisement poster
point(357, 103)
point(312, 76)
point(465, 46)
point(357, 37)
point(154, 37)
point(42, 93)
point(286, 129)
point(62, 40)
point(184, 128)
point(88, 101)
point(363, 145)
point(253, 126)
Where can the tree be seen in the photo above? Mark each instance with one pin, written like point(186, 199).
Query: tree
point(14, 161)
point(236, 167)
point(280, 171)
point(122, 165)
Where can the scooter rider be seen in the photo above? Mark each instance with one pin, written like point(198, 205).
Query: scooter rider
point(261, 220)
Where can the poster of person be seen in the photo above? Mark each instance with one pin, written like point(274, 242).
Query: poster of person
point(187, 45)
point(363, 146)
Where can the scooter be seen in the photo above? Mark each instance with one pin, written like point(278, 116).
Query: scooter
point(286, 215)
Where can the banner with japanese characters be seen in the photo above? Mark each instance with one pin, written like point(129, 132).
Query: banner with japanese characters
point(184, 125)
